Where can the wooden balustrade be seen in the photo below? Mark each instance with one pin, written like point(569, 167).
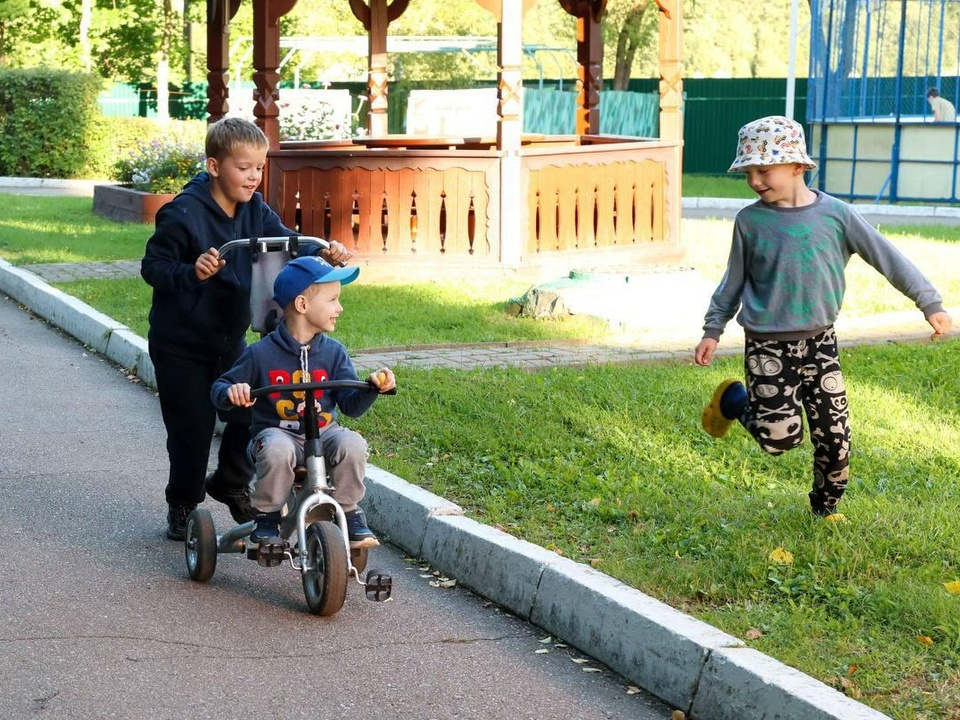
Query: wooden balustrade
point(403, 198)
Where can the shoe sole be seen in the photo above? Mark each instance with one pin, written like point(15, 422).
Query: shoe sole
point(835, 518)
point(713, 420)
point(370, 542)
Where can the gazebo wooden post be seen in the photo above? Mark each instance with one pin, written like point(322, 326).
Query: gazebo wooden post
point(219, 15)
point(378, 78)
point(266, 64)
point(671, 99)
point(589, 62)
point(376, 18)
point(510, 128)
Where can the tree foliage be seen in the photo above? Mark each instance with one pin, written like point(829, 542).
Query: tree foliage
point(123, 41)
point(733, 38)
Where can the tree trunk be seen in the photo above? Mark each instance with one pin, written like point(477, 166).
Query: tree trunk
point(86, 11)
point(163, 63)
point(628, 42)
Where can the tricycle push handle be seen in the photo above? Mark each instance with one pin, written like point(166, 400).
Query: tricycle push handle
point(289, 244)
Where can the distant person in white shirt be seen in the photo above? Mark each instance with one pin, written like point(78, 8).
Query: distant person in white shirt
point(943, 109)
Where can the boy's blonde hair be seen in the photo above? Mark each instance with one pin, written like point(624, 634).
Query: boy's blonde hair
point(230, 133)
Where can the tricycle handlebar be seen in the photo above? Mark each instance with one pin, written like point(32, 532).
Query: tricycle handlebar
point(319, 385)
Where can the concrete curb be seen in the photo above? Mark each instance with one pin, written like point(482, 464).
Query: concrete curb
point(691, 665)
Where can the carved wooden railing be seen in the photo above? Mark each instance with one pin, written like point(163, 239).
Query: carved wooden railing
point(391, 202)
point(419, 199)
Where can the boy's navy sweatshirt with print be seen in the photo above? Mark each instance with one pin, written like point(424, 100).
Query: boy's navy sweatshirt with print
point(203, 318)
point(280, 359)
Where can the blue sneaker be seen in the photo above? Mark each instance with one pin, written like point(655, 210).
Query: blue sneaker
point(267, 531)
point(728, 402)
point(359, 534)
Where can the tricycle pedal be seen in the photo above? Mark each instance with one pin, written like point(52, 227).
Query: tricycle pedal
point(379, 586)
point(267, 555)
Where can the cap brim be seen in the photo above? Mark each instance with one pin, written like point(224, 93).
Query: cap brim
point(344, 275)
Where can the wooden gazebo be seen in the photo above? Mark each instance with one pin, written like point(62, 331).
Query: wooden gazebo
point(512, 201)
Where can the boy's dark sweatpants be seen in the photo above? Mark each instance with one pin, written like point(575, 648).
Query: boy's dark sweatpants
point(190, 418)
point(786, 379)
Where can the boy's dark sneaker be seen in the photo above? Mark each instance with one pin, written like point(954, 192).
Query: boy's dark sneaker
point(267, 530)
point(177, 521)
point(359, 534)
point(237, 500)
point(726, 405)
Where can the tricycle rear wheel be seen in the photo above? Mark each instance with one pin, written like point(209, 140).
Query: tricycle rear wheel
point(200, 545)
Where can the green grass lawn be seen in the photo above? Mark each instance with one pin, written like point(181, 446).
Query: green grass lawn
point(608, 465)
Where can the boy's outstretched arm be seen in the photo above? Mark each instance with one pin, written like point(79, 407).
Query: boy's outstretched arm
point(703, 353)
point(941, 322)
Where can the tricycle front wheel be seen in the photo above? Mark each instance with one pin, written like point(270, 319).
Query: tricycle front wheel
point(325, 579)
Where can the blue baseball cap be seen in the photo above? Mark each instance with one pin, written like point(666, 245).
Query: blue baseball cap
point(299, 274)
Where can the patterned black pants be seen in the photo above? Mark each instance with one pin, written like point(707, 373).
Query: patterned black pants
point(785, 376)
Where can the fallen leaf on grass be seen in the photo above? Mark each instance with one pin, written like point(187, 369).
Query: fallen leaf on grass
point(924, 639)
point(953, 587)
point(850, 688)
point(754, 634)
point(781, 556)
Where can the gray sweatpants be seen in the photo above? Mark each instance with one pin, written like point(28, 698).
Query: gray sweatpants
point(276, 453)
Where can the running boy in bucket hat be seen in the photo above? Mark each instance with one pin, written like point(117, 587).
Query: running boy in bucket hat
point(785, 284)
point(299, 350)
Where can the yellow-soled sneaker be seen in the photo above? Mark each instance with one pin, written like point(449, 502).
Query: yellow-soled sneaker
point(835, 518)
point(724, 407)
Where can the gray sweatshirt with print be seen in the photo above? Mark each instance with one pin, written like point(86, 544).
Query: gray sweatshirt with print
point(785, 273)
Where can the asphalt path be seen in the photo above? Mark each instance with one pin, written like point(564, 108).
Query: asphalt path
point(101, 621)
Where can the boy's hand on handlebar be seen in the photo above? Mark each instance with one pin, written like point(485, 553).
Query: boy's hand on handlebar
point(384, 379)
point(337, 253)
point(239, 395)
point(208, 264)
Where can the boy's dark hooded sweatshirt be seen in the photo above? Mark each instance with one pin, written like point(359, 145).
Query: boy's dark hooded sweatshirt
point(280, 359)
point(204, 319)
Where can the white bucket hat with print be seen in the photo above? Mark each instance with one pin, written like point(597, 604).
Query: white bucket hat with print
point(773, 140)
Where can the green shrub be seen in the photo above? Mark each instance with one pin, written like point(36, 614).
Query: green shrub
point(47, 118)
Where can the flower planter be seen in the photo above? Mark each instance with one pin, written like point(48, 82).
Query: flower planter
point(124, 204)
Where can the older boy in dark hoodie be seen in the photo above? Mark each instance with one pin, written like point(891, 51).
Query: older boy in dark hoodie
point(299, 350)
point(201, 311)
